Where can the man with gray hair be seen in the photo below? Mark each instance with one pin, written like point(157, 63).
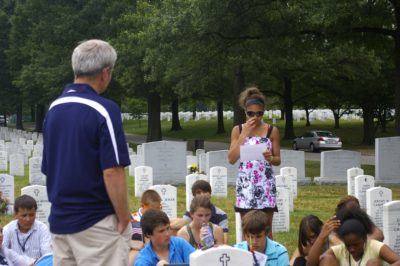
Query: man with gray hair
point(84, 156)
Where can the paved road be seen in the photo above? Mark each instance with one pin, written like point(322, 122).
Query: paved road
point(214, 146)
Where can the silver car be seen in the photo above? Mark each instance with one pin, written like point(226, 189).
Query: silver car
point(317, 140)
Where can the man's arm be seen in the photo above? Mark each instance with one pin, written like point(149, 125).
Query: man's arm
point(115, 182)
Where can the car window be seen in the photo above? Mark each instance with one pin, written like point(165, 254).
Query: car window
point(308, 134)
point(325, 134)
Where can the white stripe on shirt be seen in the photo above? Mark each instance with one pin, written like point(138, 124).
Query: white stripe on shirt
point(99, 108)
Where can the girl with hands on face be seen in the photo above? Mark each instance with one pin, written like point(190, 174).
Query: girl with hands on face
point(255, 185)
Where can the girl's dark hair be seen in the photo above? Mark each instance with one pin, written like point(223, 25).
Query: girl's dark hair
point(251, 96)
point(200, 202)
point(354, 221)
point(346, 200)
point(309, 223)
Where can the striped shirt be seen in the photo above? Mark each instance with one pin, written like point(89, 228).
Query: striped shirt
point(35, 243)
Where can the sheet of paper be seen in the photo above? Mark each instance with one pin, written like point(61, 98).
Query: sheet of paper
point(261, 258)
point(252, 152)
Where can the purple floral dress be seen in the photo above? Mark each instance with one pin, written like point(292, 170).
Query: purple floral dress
point(255, 185)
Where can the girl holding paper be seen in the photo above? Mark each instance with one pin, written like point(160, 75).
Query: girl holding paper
point(255, 185)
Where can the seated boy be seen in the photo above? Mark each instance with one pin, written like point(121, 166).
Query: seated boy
point(150, 200)
point(25, 235)
point(162, 247)
point(255, 231)
point(218, 216)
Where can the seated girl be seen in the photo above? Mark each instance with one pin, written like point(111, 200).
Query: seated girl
point(356, 249)
point(195, 232)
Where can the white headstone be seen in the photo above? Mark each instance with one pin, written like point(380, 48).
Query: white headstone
point(221, 256)
point(219, 181)
point(238, 227)
point(169, 199)
point(376, 198)
point(291, 172)
point(361, 184)
point(351, 174)
point(191, 160)
point(136, 160)
point(36, 177)
point(220, 158)
point(391, 225)
point(39, 193)
point(387, 160)
point(294, 159)
point(281, 219)
point(334, 165)
point(285, 182)
point(168, 160)
point(17, 166)
point(3, 161)
point(190, 179)
point(143, 179)
point(7, 191)
point(200, 151)
point(202, 163)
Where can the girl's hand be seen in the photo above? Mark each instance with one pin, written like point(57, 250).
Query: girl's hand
point(248, 127)
point(329, 226)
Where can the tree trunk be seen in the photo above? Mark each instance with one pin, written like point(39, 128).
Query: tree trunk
point(336, 117)
point(33, 113)
point(220, 117)
point(307, 117)
point(176, 125)
point(368, 125)
point(282, 114)
point(39, 114)
point(239, 116)
point(384, 121)
point(287, 99)
point(19, 124)
point(5, 118)
point(154, 121)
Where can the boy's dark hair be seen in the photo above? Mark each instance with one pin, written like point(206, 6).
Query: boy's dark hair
point(309, 223)
point(151, 219)
point(255, 222)
point(201, 185)
point(150, 196)
point(354, 221)
point(24, 202)
point(200, 202)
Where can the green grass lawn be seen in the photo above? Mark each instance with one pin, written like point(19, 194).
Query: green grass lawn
point(351, 132)
point(312, 199)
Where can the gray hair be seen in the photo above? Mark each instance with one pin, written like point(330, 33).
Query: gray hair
point(91, 56)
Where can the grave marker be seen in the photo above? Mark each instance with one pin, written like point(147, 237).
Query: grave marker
point(285, 182)
point(17, 166)
point(169, 198)
point(281, 219)
point(143, 179)
point(351, 174)
point(391, 225)
point(361, 184)
point(294, 159)
point(376, 198)
point(221, 256)
point(219, 181)
point(7, 191)
point(291, 172)
point(36, 177)
point(220, 158)
point(387, 160)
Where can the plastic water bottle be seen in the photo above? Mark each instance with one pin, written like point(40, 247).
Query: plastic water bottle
point(208, 241)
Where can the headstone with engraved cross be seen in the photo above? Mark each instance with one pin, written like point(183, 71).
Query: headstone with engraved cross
point(221, 256)
point(169, 199)
point(143, 179)
point(39, 193)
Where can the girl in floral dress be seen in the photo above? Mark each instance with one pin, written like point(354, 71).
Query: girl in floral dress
point(255, 185)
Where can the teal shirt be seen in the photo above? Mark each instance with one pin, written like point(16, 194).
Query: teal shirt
point(277, 254)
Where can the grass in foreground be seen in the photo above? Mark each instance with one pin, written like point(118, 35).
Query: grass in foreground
point(312, 199)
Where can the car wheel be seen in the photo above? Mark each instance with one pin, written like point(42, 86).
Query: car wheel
point(312, 147)
point(295, 146)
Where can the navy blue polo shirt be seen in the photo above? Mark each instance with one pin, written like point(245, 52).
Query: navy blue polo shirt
point(82, 136)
